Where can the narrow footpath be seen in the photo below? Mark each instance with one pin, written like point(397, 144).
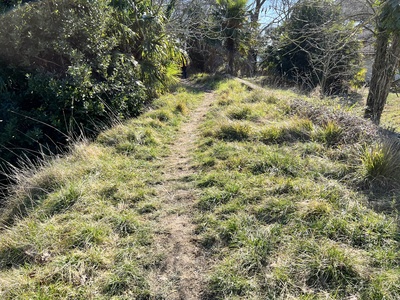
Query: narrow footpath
point(181, 275)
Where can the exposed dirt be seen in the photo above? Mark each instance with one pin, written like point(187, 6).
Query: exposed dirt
point(182, 271)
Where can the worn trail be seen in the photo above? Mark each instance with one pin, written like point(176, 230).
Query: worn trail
point(181, 274)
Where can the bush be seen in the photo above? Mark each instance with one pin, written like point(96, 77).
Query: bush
point(72, 65)
point(315, 47)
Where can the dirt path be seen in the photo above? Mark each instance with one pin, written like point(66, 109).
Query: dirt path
point(181, 275)
point(248, 84)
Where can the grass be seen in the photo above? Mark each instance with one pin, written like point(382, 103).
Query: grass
point(284, 209)
point(290, 193)
point(391, 113)
point(75, 227)
point(380, 164)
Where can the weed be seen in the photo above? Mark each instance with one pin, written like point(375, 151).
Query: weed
point(380, 164)
point(330, 134)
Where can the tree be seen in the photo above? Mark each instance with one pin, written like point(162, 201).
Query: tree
point(387, 57)
point(315, 47)
point(230, 16)
point(255, 11)
point(190, 22)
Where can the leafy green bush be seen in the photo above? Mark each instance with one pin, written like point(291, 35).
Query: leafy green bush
point(72, 65)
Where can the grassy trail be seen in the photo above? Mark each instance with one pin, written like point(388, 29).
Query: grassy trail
point(181, 275)
point(235, 193)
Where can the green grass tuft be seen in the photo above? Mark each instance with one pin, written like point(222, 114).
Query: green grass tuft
point(233, 132)
point(380, 164)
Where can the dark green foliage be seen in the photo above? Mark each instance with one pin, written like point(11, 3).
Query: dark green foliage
point(71, 66)
point(6, 5)
point(230, 22)
point(314, 47)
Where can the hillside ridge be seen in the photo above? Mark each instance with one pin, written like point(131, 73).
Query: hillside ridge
point(220, 190)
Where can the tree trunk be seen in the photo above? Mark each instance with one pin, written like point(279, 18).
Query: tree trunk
point(253, 53)
point(383, 71)
point(230, 47)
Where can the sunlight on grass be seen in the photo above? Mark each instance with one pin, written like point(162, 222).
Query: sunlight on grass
point(281, 208)
point(72, 228)
point(287, 193)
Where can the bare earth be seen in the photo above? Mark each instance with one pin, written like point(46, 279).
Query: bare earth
point(182, 272)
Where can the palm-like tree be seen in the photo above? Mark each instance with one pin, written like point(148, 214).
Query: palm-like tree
point(232, 20)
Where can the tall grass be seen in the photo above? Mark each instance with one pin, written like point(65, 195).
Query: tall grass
point(380, 164)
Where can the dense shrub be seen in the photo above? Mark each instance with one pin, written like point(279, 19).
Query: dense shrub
point(315, 47)
point(70, 65)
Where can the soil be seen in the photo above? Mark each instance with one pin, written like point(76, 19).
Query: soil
point(181, 274)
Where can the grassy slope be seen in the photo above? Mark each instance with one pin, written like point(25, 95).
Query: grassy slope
point(80, 230)
point(284, 204)
point(282, 212)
